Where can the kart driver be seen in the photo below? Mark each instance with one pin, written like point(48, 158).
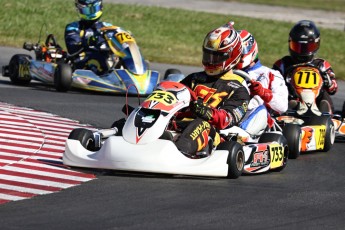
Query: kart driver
point(304, 42)
point(222, 98)
point(85, 35)
point(266, 88)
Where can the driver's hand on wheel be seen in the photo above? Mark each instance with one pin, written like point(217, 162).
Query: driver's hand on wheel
point(332, 87)
point(201, 110)
point(256, 88)
point(92, 41)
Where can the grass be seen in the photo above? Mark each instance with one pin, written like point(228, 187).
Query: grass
point(164, 35)
point(329, 5)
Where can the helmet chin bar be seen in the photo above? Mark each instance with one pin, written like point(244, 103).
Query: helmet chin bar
point(216, 70)
point(301, 58)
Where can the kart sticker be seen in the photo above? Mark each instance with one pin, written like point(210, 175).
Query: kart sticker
point(277, 155)
point(163, 97)
point(260, 156)
point(123, 37)
point(320, 133)
point(313, 137)
point(24, 71)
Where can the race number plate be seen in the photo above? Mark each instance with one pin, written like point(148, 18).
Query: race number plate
point(277, 155)
point(313, 137)
point(123, 37)
point(307, 78)
point(163, 97)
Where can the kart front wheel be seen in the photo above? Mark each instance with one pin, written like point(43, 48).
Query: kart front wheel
point(236, 158)
point(85, 137)
point(19, 69)
point(63, 77)
point(293, 135)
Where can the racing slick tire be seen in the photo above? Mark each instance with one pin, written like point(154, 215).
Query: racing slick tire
point(19, 69)
point(85, 137)
point(269, 137)
point(236, 158)
point(63, 77)
point(293, 135)
point(171, 71)
point(330, 129)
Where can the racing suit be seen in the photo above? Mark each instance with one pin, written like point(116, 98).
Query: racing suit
point(276, 97)
point(330, 88)
point(86, 35)
point(271, 96)
point(226, 100)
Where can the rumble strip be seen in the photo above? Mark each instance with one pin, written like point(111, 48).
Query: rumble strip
point(31, 147)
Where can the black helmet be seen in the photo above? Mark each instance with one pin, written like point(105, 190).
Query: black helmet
point(304, 41)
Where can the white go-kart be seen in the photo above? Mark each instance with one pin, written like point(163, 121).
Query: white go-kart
point(146, 144)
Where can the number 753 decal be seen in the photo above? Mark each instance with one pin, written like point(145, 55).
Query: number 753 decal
point(277, 155)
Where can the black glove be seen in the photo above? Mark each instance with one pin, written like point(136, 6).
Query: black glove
point(92, 41)
point(201, 110)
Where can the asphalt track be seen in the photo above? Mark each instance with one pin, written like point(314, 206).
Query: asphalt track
point(308, 194)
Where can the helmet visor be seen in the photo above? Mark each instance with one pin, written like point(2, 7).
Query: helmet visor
point(214, 58)
point(89, 9)
point(304, 47)
point(248, 45)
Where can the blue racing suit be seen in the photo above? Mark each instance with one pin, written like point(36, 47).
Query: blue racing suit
point(86, 35)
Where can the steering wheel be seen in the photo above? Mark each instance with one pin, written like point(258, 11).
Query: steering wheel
point(243, 74)
point(51, 41)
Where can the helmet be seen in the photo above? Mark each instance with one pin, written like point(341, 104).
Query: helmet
point(304, 41)
point(222, 50)
point(89, 10)
point(250, 52)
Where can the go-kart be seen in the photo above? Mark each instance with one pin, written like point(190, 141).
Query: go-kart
point(49, 66)
point(314, 124)
point(126, 66)
point(146, 143)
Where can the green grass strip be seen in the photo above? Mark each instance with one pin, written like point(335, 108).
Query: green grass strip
point(164, 35)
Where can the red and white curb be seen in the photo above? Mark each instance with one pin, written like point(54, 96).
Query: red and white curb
point(31, 146)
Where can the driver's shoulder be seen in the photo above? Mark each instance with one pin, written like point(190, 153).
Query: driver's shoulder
point(72, 26)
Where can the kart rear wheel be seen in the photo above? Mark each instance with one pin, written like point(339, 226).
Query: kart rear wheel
point(269, 137)
point(19, 67)
point(236, 158)
point(63, 77)
point(85, 137)
point(330, 129)
point(171, 71)
point(293, 135)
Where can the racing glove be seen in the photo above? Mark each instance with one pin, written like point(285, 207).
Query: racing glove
point(257, 89)
point(201, 110)
point(92, 41)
